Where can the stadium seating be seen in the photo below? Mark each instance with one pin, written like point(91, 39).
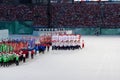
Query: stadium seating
point(67, 14)
point(112, 14)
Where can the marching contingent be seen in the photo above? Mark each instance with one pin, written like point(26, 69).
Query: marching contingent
point(18, 50)
point(13, 52)
point(66, 45)
point(67, 42)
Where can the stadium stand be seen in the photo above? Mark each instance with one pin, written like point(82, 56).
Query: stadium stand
point(67, 14)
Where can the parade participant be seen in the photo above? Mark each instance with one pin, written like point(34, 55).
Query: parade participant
point(17, 59)
point(1, 47)
point(4, 60)
point(13, 57)
point(83, 44)
point(78, 44)
point(43, 48)
point(0, 59)
point(10, 59)
point(68, 45)
point(53, 45)
point(48, 47)
point(65, 45)
point(36, 49)
point(74, 45)
point(61, 45)
point(7, 56)
point(57, 45)
point(32, 54)
point(24, 52)
point(39, 48)
point(20, 55)
point(71, 45)
point(24, 58)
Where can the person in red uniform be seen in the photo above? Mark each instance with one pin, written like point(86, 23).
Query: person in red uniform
point(25, 54)
point(32, 54)
point(24, 57)
point(83, 44)
point(21, 55)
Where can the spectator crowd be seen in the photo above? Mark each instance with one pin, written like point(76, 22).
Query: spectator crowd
point(67, 14)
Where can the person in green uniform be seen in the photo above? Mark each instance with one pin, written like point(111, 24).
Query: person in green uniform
point(0, 59)
point(4, 60)
point(17, 59)
point(7, 59)
point(11, 48)
point(4, 46)
point(0, 48)
point(10, 59)
point(7, 48)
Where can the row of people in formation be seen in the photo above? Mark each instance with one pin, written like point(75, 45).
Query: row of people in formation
point(14, 57)
point(67, 45)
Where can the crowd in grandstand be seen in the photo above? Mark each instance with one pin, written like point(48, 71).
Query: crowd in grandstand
point(86, 14)
point(77, 14)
